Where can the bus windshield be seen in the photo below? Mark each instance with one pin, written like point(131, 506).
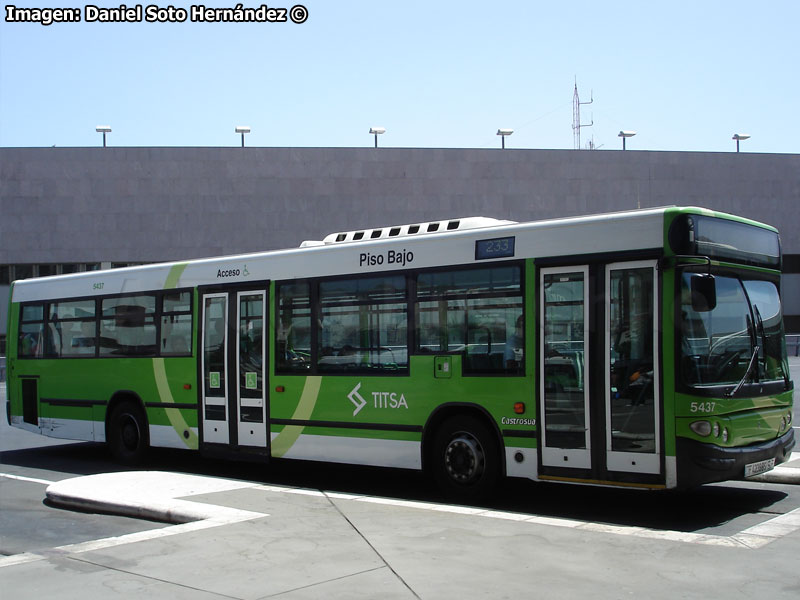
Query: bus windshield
point(718, 346)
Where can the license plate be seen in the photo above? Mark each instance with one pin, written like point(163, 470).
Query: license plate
point(761, 466)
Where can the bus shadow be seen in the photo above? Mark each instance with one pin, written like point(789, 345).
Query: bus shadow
point(693, 510)
point(690, 511)
point(80, 458)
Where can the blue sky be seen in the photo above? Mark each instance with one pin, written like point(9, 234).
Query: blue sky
point(684, 75)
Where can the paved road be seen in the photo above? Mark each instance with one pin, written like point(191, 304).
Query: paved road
point(310, 531)
point(28, 464)
point(259, 539)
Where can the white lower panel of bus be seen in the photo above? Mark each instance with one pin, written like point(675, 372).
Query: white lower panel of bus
point(72, 429)
point(671, 464)
point(161, 436)
point(527, 468)
point(164, 436)
point(357, 451)
point(18, 421)
point(630, 462)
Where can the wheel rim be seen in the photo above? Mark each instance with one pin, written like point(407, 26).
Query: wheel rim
point(464, 459)
point(131, 437)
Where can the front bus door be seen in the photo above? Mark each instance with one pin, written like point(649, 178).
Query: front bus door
point(632, 404)
point(233, 364)
point(599, 408)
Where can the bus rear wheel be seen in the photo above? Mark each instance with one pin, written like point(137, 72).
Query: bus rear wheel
point(128, 437)
point(466, 461)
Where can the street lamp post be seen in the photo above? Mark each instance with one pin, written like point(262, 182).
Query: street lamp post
point(242, 129)
point(625, 135)
point(104, 129)
point(376, 131)
point(738, 137)
point(503, 133)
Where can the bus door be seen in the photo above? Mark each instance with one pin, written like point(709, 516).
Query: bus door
point(632, 399)
point(599, 408)
point(233, 365)
point(563, 360)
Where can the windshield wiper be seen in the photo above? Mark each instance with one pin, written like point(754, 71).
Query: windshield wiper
point(760, 322)
point(753, 335)
point(764, 341)
point(739, 385)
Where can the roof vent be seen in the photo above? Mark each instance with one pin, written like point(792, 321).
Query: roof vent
point(415, 229)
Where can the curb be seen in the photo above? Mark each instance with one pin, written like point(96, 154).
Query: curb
point(788, 475)
point(151, 495)
point(174, 512)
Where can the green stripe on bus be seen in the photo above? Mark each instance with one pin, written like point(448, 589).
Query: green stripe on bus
point(286, 438)
point(174, 275)
point(173, 414)
point(160, 371)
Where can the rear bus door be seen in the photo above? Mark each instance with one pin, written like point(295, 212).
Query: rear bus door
point(233, 359)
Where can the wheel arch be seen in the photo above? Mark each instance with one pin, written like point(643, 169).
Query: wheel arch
point(454, 409)
point(120, 397)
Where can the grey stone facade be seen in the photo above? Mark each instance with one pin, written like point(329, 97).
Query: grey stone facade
point(153, 204)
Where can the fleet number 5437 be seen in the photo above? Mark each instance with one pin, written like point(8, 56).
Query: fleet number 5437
point(702, 407)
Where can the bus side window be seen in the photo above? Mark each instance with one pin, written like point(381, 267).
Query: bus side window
point(364, 321)
point(128, 327)
point(31, 332)
point(176, 324)
point(71, 328)
point(293, 329)
point(478, 312)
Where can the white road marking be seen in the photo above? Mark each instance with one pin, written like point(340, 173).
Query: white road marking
point(131, 538)
point(29, 479)
point(752, 538)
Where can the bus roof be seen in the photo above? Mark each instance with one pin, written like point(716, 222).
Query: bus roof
point(590, 234)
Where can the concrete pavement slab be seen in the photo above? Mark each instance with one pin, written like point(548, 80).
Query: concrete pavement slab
point(68, 577)
point(461, 556)
point(379, 583)
point(254, 559)
point(315, 544)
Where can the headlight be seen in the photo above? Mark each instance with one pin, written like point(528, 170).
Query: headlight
point(716, 430)
point(725, 435)
point(702, 428)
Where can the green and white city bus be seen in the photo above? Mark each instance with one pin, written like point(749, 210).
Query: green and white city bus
point(642, 349)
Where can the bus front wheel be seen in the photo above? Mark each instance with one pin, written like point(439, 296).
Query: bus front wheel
point(466, 461)
point(128, 437)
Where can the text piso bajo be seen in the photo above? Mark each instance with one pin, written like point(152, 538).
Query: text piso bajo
point(153, 13)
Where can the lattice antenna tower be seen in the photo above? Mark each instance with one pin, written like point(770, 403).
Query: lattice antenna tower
point(576, 116)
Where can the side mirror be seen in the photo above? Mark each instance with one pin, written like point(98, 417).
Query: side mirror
point(704, 292)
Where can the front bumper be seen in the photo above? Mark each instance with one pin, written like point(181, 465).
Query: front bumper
point(700, 463)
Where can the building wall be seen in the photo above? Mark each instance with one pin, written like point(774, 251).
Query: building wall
point(153, 204)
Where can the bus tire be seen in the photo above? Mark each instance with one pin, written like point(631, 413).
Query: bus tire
point(466, 459)
point(128, 438)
